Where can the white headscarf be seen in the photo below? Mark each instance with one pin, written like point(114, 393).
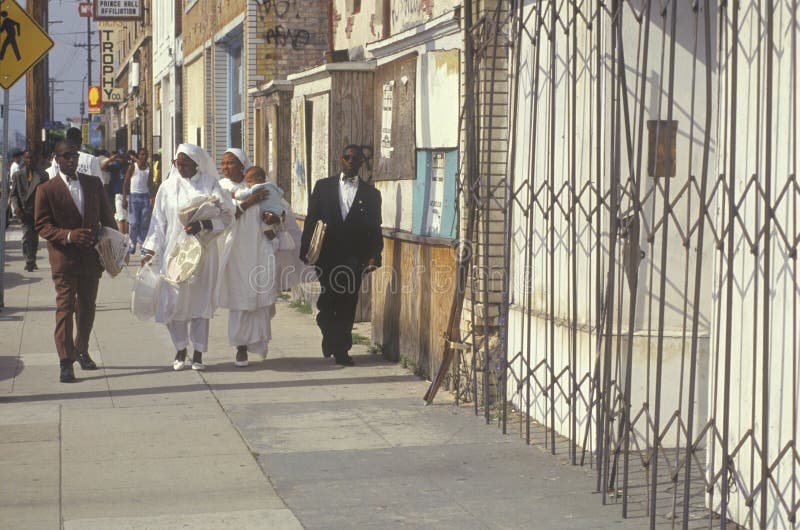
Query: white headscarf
point(242, 156)
point(206, 170)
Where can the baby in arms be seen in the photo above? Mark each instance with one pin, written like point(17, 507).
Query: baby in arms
point(256, 179)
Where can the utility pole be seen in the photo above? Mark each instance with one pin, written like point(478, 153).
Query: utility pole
point(53, 90)
point(36, 94)
point(88, 47)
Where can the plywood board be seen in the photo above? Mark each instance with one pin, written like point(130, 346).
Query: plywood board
point(394, 98)
point(351, 116)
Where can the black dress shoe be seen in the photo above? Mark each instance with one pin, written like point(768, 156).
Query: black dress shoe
point(344, 359)
point(85, 361)
point(327, 354)
point(29, 267)
point(67, 373)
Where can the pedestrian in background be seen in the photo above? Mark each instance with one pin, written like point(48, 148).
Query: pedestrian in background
point(156, 173)
point(117, 167)
point(23, 196)
point(105, 176)
point(137, 190)
point(69, 211)
point(16, 160)
point(88, 164)
point(351, 209)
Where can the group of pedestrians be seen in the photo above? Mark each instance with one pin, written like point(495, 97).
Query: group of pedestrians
point(250, 254)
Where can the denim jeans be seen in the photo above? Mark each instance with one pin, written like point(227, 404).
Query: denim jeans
point(138, 216)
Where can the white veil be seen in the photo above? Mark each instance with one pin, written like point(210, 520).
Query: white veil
point(206, 169)
point(242, 156)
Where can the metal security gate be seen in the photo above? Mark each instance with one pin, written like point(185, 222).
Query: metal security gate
point(631, 166)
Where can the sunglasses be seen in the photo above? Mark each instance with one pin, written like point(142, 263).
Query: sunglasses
point(351, 157)
point(69, 156)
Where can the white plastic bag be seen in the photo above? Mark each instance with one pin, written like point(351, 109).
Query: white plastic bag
point(146, 293)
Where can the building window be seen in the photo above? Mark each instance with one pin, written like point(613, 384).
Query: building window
point(353, 7)
point(236, 95)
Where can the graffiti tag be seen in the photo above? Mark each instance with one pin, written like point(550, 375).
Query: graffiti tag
point(280, 36)
point(280, 7)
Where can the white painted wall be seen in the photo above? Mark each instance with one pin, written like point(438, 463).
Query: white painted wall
point(438, 101)
point(748, 358)
point(531, 284)
point(164, 54)
point(194, 104)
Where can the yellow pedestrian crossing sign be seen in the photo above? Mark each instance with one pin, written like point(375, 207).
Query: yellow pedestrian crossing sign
point(22, 42)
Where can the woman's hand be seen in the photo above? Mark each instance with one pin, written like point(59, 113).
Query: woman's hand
point(146, 258)
point(257, 196)
point(193, 228)
point(271, 218)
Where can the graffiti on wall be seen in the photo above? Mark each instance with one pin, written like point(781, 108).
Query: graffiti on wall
point(282, 35)
point(281, 8)
point(408, 13)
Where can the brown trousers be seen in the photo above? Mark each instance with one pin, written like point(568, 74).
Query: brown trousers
point(75, 295)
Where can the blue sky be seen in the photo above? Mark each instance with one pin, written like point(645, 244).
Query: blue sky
point(67, 65)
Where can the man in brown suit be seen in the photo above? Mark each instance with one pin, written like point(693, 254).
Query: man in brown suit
point(70, 209)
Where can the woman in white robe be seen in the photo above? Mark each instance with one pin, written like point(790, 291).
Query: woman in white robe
point(187, 307)
point(253, 269)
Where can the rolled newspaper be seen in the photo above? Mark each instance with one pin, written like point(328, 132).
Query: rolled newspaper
point(112, 247)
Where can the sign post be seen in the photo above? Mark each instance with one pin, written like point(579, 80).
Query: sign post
point(22, 44)
point(4, 201)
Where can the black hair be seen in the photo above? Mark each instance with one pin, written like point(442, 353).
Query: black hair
point(59, 143)
point(355, 147)
point(74, 135)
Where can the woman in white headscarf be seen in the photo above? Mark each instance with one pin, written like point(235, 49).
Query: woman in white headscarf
point(253, 268)
point(187, 307)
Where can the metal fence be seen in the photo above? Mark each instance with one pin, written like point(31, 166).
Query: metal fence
point(644, 203)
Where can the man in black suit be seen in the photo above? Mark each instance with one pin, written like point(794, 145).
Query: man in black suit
point(23, 194)
point(352, 247)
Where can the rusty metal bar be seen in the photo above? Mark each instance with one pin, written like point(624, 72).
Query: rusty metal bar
point(729, 279)
point(768, 214)
point(690, 448)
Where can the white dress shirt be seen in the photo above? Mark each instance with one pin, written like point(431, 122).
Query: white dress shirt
point(347, 193)
point(75, 191)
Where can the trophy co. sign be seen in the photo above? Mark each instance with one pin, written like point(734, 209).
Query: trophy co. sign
point(110, 10)
point(108, 83)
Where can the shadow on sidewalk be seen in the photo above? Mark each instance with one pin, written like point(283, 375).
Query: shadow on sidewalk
point(316, 364)
point(15, 279)
point(204, 387)
point(10, 366)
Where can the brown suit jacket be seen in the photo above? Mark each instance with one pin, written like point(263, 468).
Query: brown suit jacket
point(56, 214)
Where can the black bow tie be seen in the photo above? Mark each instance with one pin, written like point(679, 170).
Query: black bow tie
point(345, 178)
point(71, 178)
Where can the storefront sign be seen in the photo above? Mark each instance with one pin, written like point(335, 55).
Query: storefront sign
point(110, 92)
point(110, 10)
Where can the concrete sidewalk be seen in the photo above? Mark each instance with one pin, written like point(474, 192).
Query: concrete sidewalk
point(294, 441)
